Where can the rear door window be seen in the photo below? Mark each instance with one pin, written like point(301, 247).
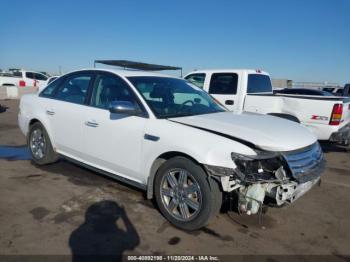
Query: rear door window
point(75, 88)
point(29, 75)
point(259, 84)
point(51, 88)
point(223, 84)
point(40, 77)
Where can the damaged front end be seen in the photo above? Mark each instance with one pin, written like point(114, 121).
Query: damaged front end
point(269, 177)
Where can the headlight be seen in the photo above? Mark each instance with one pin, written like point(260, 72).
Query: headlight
point(264, 166)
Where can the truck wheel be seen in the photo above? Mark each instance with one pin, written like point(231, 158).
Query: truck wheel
point(40, 145)
point(185, 194)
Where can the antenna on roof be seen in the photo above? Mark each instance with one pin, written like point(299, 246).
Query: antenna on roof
point(126, 64)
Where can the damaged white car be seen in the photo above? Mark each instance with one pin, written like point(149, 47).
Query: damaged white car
point(170, 138)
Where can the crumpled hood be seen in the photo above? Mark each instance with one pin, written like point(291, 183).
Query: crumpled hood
point(266, 132)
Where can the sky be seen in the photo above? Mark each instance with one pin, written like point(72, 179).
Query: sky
point(305, 40)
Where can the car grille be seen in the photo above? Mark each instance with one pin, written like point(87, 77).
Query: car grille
point(306, 164)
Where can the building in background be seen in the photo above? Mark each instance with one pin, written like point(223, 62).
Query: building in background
point(282, 83)
point(315, 85)
point(287, 83)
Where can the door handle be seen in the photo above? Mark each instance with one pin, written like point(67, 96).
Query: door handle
point(229, 102)
point(91, 124)
point(50, 112)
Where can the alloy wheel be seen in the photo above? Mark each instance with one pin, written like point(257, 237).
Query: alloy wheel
point(181, 194)
point(38, 144)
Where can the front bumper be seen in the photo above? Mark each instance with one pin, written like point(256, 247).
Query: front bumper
point(342, 136)
point(303, 169)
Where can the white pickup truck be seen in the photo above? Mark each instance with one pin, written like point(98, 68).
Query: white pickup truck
point(23, 78)
point(245, 90)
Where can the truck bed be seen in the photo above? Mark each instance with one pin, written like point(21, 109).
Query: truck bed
point(309, 110)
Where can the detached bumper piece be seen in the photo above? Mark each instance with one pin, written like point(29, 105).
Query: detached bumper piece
point(342, 137)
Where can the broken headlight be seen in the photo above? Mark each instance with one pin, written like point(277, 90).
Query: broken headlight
point(265, 166)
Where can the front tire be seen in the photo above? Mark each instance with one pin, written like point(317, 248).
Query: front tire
point(40, 145)
point(185, 194)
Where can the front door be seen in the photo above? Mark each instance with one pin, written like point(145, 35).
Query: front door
point(113, 141)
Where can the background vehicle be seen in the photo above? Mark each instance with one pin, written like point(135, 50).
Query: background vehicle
point(251, 91)
point(172, 139)
point(341, 91)
point(303, 91)
point(22, 78)
point(47, 82)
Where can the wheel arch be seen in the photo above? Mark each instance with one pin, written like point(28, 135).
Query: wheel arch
point(38, 120)
point(158, 162)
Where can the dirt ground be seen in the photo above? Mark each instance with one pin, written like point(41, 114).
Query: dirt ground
point(62, 208)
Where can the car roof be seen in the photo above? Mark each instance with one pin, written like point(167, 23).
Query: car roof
point(229, 70)
point(125, 72)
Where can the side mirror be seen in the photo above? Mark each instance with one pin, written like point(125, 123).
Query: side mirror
point(123, 107)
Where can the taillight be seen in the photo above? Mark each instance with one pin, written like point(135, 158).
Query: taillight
point(22, 83)
point(337, 113)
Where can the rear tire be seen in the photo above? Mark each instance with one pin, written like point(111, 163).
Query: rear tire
point(40, 145)
point(185, 195)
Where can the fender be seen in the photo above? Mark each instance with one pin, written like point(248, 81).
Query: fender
point(45, 125)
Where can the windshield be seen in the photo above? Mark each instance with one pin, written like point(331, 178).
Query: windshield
point(171, 97)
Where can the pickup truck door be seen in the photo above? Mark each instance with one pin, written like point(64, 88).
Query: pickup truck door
point(223, 87)
point(113, 141)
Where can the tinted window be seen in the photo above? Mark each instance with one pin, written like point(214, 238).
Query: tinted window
point(74, 88)
point(109, 88)
point(171, 97)
point(259, 84)
point(328, 89)
point(196, 79)
point(223, 84)
point(50, 89)
point(339, 91)
point(29, 75)
point(17, 74)
point(40, 77)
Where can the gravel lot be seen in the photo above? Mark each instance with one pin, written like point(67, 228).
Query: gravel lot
point(63, 208)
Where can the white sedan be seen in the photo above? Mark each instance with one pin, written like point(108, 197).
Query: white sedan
point(173, 140)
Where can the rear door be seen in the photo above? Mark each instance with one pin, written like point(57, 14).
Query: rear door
point(223, 87)
point(66, 113)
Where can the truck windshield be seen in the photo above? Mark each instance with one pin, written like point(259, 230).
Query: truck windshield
point(259, 84)
point(170, 97)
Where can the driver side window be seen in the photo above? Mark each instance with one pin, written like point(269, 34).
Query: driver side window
point(109, 88)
